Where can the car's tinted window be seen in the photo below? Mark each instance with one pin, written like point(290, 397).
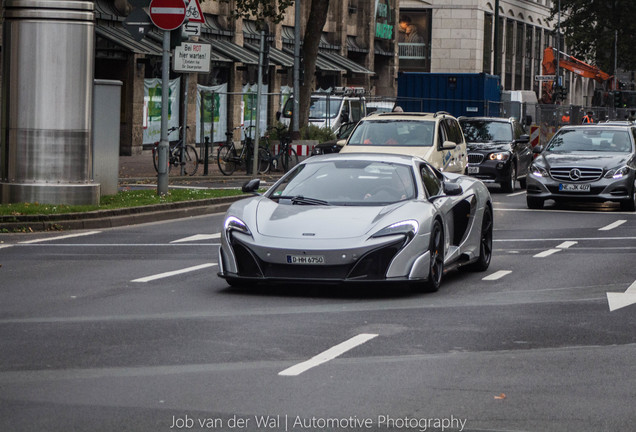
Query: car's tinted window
point(432, 183)
point(393, 133)
point(454, 131)
point(486, 130)
point(591, 140)
point(356, 111)
point(348, 182)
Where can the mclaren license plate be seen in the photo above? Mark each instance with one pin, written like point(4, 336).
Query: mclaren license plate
point(574, 187)
point(305, 259)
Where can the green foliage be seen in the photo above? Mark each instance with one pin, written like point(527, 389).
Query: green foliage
point(123, 199)
point(313, 132)
point(260, 10)
point(589, 28)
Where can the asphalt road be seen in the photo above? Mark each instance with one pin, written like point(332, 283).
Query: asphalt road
point(98, 336)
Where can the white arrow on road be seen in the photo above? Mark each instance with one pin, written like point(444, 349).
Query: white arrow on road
point(621, 300)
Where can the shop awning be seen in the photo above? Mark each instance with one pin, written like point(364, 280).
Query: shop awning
point(352, 45)
point(276, 56)
point(345, 63)
point(232, 51)
point(117, 34)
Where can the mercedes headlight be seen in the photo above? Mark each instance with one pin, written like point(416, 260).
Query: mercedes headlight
point(538, 171)
point(617, 173)
point(499, 156)
point(408, 228)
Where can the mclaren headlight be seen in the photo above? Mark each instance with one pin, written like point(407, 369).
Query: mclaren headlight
point(408, 228)
point(499, 156)
point(617, 173)
point(233, 223)
point(538, 171)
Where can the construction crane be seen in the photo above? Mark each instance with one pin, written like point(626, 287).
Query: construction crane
point(550, 91)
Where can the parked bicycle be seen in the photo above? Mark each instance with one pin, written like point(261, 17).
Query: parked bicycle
point(179, 155)
point(286, 157)
point(229, 160)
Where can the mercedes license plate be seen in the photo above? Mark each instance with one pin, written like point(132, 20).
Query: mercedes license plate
point(574, 187)
point(305, 259)
point(473, 170)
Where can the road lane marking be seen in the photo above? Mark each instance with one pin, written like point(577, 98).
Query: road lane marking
point(330, 354)
point(517, 193)
point(546, 253)
point(5, 246)
point(173, 273)
point(620, 300)
point(562, 239)
point(497, 275)
point(566, 244)
point(613, 225)
point(60, 237)
point(198, 237)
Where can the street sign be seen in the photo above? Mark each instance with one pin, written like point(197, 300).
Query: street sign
point(190, 29)
point(192, 57)
point(194, 12)
point(167, 14)
point(544, 77)
point(138, 24)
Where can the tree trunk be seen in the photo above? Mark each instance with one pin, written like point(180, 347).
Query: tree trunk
point(311, 40)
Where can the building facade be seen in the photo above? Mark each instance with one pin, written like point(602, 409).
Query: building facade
point(357, 48)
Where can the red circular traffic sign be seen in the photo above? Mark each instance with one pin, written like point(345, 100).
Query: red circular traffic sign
point(167, 14)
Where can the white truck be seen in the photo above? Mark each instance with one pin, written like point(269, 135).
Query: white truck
point(330, 110)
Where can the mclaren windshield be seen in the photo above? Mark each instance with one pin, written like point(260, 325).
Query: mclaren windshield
point(346, 183)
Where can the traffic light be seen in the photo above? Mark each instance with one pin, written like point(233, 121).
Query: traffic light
point(617, 99)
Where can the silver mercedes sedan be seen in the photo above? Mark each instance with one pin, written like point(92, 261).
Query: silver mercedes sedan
point(358, 218)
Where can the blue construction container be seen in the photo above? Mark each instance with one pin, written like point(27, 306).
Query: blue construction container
point(460, 94)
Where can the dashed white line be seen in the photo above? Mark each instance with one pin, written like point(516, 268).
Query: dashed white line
point(547, 253)
point(613, 225)
point(497, 275)
point(330, 354)
point(566, 244)
point(517, 193)
point(173, 273)
point(60, 237)
point(198, 237)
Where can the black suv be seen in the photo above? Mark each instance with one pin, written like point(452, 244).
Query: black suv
point(499, 150)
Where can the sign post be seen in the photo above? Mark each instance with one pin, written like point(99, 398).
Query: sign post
point(167, 15)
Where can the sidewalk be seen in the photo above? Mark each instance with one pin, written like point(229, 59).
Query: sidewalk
point(138, 171)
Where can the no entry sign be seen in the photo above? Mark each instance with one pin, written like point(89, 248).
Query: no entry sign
point(167, 14)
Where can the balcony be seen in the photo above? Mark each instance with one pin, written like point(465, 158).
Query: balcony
point(414, 51)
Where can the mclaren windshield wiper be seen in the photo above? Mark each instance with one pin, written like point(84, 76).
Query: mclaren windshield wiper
point(299, 199)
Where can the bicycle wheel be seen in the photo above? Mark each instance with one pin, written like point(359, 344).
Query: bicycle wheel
point(289, 159)
point(263, 160)
point(190, 160)
point(226, 159)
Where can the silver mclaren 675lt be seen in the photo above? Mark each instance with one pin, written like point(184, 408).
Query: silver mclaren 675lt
point(358, 218)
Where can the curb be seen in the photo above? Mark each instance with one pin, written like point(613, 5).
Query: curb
point(115, 218)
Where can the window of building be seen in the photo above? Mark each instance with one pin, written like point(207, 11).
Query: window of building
point(488, 24)
point(509, 53)
point(519, 55)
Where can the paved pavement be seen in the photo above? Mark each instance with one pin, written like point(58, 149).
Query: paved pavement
point(137, 171)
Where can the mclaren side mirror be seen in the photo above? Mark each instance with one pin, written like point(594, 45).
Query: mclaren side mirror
point(452, 189)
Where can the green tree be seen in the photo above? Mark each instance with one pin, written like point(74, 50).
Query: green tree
point(589, 27)
point(274, 11)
